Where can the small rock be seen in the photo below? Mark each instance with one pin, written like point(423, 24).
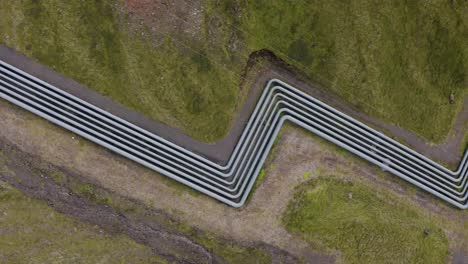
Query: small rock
point(350, 196)
point(427, 231)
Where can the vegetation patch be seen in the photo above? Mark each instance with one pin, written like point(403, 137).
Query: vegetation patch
point(232, 253)
point(90, 193)
point(364, 224)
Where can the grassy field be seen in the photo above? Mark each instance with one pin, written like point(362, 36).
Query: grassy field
point(365, 226)
point(91, 42)
point(32, 232)
point(397, 61)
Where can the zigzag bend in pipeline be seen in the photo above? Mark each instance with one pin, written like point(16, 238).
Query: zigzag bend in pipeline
point(232, 182)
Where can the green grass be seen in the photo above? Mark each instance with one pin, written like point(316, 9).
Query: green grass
point(90, 193)
point(368, 227)
point(232, 253)
point(398, 61)
point(258, 181)
point(395, 60)
point(32, 232)
point(91, 43)
point(58, 177)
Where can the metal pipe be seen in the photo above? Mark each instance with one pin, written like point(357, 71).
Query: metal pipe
point(232, 182)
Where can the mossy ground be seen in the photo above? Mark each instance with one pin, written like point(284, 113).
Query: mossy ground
point(397, 61)
point(365, 225)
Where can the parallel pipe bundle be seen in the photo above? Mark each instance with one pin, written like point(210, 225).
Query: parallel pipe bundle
point(232, 182)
